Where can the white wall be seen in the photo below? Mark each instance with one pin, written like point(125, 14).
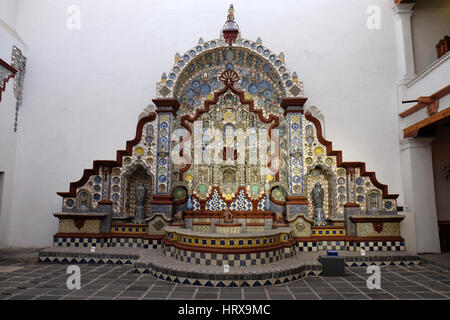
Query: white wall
point(7, 153)
point(8, 12)
point(8, 139)
point(85, 88)
point(429, 24)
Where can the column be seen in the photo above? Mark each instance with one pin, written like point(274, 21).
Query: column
point(418, 187)
point(162, 201)
point(296, 201)
point(403, 12)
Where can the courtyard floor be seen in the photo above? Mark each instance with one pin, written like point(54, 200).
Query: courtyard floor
point(27, 280)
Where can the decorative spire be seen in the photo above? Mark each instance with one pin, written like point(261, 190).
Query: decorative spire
point(230, 16)
point(200, 41)
point(230, 29)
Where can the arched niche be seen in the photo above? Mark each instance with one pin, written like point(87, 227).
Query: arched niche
point(326, 178)
point(134, 175)
point(83, 200)
point(374, 200)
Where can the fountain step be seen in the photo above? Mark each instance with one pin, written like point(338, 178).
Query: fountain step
point(155, 263)
point(152, 261)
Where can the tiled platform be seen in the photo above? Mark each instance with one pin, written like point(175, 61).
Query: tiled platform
point(148, 261)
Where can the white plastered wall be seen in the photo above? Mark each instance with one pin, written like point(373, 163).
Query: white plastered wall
point(8, 138)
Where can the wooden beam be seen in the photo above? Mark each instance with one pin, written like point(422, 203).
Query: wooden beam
point(426, 101)
point(413, 131)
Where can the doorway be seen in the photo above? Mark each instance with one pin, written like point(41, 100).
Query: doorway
point(441, 174)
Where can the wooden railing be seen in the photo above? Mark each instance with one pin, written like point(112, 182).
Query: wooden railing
point(434, 118)
point(430, 102)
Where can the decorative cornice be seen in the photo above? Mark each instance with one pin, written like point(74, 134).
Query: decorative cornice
point(415, 143)
point(292, 102)
point(376, 219)
point(162, 199)
point(79, 216)
point(403, 8)
point(166, 105)
point(351, 205)
point(296, 200)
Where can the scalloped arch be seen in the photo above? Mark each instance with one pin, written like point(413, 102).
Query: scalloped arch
point(170, 82)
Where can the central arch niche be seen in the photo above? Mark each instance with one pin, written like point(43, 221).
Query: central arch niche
point(241, 126)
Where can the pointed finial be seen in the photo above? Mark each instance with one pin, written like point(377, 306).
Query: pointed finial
point(258, 41)
point(230, 30)
point(200, 41)
point(177, 57)
point(295, 77)
point(230, 16)
point(163, 77)
point(281, 56)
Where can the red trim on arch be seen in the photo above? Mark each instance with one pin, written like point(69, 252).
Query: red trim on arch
point(109, 163)
point(347, 165)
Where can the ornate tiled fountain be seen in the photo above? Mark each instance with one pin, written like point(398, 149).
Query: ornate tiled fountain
point(228, 169)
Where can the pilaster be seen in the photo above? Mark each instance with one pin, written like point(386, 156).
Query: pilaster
point(403, 13)
point(418, 187)
point(162, 200)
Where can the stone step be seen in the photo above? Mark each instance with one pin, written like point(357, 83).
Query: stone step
point(155, 263)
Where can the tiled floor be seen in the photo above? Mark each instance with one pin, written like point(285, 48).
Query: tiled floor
point(19, 280)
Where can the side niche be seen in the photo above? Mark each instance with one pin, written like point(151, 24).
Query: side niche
point(136, 176)
point(374, 202)
point(84, 200)
point(322, 177)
